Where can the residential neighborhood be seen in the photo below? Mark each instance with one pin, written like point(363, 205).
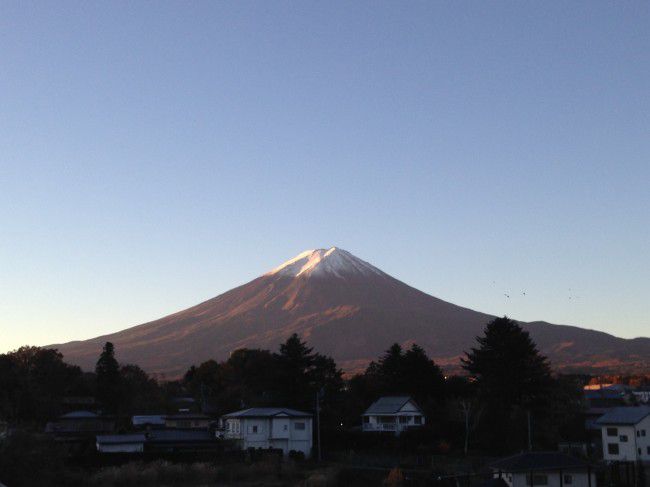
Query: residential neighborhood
point(441, 431)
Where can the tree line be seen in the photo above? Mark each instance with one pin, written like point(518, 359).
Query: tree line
point(507, 386)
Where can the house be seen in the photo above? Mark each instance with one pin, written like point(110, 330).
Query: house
point(626, 434)
point(188, 421)
point(393, 414)
point(148, 421)
point(193, 440)
point(167, 441)
point(79, 425)
point(642, 395)
point(281, 428)
point(599, 401)
point(121, 443)
point(549, 469)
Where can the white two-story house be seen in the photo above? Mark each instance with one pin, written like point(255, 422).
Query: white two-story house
point(392, 414)
point(626, 434)
point(281, 428)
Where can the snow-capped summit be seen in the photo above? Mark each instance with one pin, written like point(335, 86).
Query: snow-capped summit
point(322, 262)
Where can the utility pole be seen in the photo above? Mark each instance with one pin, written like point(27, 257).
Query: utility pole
point(320, 458)
point(530, 439)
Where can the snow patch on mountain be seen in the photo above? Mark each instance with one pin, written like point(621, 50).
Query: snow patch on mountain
point(325, 262)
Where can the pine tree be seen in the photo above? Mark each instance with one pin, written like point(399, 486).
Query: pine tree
point(507, 364)
point(513, 379)
point(108, 378)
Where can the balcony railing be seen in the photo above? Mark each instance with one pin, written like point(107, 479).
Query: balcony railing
point(379, 426)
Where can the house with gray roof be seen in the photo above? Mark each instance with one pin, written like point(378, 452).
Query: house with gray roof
point(279, 428)
point(544, 468)
point(626, 434)
point(392, 414)
point(159, 440)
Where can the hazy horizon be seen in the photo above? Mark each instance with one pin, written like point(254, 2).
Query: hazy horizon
point(155, 156)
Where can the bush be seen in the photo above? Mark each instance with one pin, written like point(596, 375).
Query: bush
point(28, 460)
point(296, 456)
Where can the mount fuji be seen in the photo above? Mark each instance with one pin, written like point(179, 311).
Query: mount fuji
point(346, 308)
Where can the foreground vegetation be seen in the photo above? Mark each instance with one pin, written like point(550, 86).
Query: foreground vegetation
point(485, 412)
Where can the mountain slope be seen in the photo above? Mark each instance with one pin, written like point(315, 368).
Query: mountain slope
point(346, 308)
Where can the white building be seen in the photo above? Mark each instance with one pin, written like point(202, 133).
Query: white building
point(549, 469)
point(392, 414)
point(626, 434)
point(281, 428)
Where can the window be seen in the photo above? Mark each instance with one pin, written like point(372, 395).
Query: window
point(568, 479)
point(417, 419)
point(299, 426)
point(403, 419)
point(648, 450)
point(538, 479)
point(642, 432)
point(623, 438)
point(285, 427)
point(639, 450)
point(252, 429)
point(366, 419)
point(612, 431)
point(612, 448)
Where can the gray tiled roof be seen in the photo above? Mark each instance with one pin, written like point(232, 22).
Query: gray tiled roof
point(160, 436)
point(153, 419)
point(540, 460)
point(266, 413)
point(113, 439)
point(79, 415)
point(182, 416)
point(625, 415)
point(389, 405)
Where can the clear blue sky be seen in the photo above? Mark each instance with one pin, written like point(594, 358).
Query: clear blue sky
point(156, 154)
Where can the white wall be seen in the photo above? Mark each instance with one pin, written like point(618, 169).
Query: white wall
point(271, 433)
point(579, 479)
point(638, 438)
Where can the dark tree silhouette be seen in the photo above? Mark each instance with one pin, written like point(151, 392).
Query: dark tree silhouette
point(108, 379)
point(514, 381)
point(411, 373)
point(507, 364)
point(33, 382)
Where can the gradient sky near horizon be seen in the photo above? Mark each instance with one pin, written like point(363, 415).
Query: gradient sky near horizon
point(156, 154)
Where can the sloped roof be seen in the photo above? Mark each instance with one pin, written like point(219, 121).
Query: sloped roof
point(538, 460)
point(267, 412)
point(182, 416)
point(79, 415)
point(390, 405)
point(154, 419)
point(625, 415)
point(159, 436)
point(121, 439)
point(179, 435)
